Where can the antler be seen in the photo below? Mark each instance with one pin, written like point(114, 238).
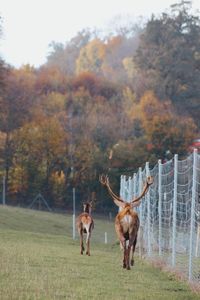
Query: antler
point(149, 181)
point(119, 201)
point(104, 180)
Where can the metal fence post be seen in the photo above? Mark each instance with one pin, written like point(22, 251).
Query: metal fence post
point(74, 213)
point(4, 191)
point(194, 177)
point(126, 190)
point(197, 240)
point(130, 189)
point(148, 216)
point(174, 210)
point(140, 191)
point(134, 185)
point(105, 238)
point(121, 186)
point(160, 206)
point(141, 232)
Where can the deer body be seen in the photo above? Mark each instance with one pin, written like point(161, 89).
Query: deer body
point(127, 221)
point(85, 224)
point(126, 227)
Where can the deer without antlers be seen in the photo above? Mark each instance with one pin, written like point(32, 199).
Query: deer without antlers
point(127, 220)
point(85, 224)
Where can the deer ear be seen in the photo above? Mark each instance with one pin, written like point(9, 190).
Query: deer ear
point(119, 203)
point(135, 204)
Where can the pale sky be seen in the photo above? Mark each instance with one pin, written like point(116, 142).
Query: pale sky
point(30, 25)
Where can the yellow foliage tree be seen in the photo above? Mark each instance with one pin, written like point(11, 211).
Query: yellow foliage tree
point(91, 57)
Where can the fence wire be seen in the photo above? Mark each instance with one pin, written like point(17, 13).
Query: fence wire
point(169, 213)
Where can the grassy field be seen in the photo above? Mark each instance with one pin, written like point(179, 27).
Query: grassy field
point(39, 260)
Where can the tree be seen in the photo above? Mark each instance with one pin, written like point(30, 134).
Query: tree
point(3, 67)
point(169, 57)
point(88, 81)
point(118, 49)
point(129, 155)
point(50, 79)
point(15, 106)
point(165, 129)
point(39, 148)
point(91, 57)
point(63, 57)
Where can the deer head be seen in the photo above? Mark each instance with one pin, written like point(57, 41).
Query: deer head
point(87, 207)
point(89, 204)
point(104, 180)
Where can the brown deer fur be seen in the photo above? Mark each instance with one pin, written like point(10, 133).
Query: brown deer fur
point(85, 224)
point(127, 221)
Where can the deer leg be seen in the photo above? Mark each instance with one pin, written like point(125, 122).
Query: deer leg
point(133, 250)
point(128, 257)
point(124, 259)
point(122, 241)
point(131, 256)
point(81, 241)
point(88, 248)
point(123, 246)
point(132, 243)
point(88, 243)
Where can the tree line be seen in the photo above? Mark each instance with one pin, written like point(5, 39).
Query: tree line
point(100, 105)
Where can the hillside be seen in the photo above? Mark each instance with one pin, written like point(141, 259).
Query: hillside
point(39, 260)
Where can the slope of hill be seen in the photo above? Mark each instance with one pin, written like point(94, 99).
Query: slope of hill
point(39, 260)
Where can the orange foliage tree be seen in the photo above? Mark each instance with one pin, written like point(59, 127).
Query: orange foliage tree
point(164, 128)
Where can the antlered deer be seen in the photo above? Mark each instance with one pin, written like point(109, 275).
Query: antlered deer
point(85, 224)
point(127, 220)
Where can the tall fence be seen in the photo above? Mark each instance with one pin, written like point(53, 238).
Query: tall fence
point(169, 213)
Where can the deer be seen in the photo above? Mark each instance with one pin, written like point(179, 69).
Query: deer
point(127, 221)
point(85, 224)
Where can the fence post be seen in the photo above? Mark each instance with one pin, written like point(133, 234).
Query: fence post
point(106, 238)
point(197, 240)
point(130, 189)
point(134, 185)
point(148, 216)
point(141, 232)
point(174, 210)
point(74, 214)
point(160, 206)
point(4, 191)
point(126, 190)
point(121, 186)
point(194, 177)
point(140, 191)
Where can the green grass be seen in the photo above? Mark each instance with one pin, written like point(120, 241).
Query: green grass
point(39, 260)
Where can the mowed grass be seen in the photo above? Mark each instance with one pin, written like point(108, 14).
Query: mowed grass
point(39, 260)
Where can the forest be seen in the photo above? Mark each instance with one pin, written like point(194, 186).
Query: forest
point(100, 104)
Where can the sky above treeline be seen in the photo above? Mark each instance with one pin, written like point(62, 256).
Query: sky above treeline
point(29, 26)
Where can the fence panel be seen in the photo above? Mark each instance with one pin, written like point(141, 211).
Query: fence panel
point(170, 213)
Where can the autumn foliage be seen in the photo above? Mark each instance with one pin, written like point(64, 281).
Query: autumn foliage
point(97, 106)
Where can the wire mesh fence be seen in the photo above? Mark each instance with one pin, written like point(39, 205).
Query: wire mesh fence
point(170, 213)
